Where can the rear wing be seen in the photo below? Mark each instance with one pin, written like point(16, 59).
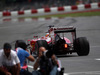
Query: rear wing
point(63, 30)
point(72, 30)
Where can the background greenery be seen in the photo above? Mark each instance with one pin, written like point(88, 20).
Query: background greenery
point(95, 13)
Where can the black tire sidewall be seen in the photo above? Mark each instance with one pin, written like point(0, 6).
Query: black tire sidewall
point(82, 46)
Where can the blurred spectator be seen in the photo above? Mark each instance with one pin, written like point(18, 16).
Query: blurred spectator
point(23, 54)
point(9, 62)
point(47, 62)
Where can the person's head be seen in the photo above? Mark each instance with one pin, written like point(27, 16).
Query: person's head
point(41, 50)
point(7, 49)
point(21, 44)
point(49, 53)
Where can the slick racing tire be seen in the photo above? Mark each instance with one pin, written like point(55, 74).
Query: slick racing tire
point(40, 43)
point(82, 46)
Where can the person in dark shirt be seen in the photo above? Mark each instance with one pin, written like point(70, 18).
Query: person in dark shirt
point(47, 62)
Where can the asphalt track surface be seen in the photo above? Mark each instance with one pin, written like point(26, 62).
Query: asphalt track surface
point(74, 65)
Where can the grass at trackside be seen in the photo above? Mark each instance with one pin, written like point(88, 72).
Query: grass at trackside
point(75, 14)
point(96, 13)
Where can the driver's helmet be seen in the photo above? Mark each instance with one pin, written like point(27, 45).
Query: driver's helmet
point(47, 35)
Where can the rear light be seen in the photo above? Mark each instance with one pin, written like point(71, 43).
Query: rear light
point(66, 45)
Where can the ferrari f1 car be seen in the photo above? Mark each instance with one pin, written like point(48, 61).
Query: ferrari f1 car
point(57, 41)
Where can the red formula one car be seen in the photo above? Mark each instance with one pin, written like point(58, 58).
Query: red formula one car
point(62, 40)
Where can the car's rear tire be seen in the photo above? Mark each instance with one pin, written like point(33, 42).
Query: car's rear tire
point(40, 43)
point(82, 46)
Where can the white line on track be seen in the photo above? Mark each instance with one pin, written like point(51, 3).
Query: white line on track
point(66, 74)
point(94, 46)
point(83, 73)
point(97, 59)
